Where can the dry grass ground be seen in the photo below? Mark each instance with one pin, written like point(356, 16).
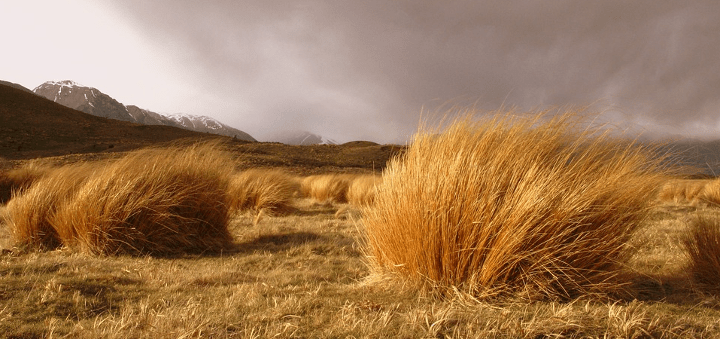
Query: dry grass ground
point(303, 275)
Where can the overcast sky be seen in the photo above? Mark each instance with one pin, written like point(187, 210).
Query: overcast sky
point(364, 70)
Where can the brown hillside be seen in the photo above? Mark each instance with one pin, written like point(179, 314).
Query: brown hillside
point(32, 126)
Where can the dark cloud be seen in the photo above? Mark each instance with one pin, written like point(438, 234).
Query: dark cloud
point(364, 69)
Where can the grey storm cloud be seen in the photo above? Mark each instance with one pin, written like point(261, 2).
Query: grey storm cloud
point(364, 69)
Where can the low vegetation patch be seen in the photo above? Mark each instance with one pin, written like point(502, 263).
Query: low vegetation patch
point(538, 205)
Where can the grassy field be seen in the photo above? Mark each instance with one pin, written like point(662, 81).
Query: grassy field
point(304, 275)
point(299, 264)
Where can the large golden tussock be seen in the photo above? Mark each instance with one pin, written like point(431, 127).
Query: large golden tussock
point(534, 204)
point(152, 201)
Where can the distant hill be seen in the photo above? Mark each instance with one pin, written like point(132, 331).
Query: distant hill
point(92, 101)
point(17, 86)
point(32, 126)
point(297, 137)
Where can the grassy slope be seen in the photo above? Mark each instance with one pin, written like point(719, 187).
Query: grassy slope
point(32, 126)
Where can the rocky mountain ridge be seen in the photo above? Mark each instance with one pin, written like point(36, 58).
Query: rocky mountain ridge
point(92, 101)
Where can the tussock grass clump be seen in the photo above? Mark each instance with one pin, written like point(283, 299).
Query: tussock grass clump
point(329, 187)
point(259, 189)
point(361, 191)
point(710, 193)
point(151, 201)
point(538, 205)
point(703, 248)
point(678, 191)
point(15, 181)
point(30, 214)
point(154, 201)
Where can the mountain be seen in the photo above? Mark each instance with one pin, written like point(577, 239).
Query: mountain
point(83, 98)
point(297, 137)
point(209, 125)
point(33, 126)
point(90, 100)
point(148, 117)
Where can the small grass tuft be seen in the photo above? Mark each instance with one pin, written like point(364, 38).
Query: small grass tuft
point(361, 191)
point(259, 189)
point(327, 188)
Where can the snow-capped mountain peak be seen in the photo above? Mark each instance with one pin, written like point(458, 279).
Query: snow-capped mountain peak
point(206, 124)
point(69, 83)
point(90, 100)
point(83, 98)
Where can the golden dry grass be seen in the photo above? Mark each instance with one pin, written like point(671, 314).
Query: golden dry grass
point(259, 189)
point(703, 248)
point(682, 191)
point(362, 189)
point(154, 201)
point(15, 181)
point(327, 187)
point(534, 204)
point(30, 215)
point(302, 275)
point(710, 193)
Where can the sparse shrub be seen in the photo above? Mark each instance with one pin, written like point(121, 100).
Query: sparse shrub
point(330, 187)
point(259, 189)
point(15, 181)
point(703, 248)
point(29, 214)
point(538, 205)
point(152, 201)
point(362, 189)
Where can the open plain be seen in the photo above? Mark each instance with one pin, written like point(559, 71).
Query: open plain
point(304, 273)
